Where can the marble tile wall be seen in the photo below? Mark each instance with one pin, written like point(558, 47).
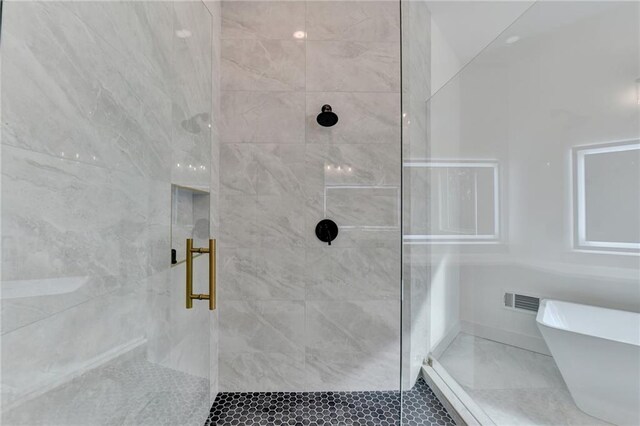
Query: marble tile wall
point(296, 314)
point(104, 106)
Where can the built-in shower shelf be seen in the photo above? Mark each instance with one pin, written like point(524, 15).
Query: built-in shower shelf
point(189, 219)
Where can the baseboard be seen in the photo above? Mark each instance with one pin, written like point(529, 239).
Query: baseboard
point(523, 341)
point(446, 340)
point(41, 388)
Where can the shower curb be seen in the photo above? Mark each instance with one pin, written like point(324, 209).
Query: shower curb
point(458, 403)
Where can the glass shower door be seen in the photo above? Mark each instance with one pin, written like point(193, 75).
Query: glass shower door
point(529, 184)
point(106, 110)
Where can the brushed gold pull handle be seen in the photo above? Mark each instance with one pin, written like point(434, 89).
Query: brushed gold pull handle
point(189, 273)
point(211, 297)
point(212, 275)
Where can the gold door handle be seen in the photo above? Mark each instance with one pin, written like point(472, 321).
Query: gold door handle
point(211, 297)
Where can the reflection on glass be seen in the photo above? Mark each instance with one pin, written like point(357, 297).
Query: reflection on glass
point(463, 201)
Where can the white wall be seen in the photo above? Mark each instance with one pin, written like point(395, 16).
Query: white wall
point(461, 29)
point(445, 63)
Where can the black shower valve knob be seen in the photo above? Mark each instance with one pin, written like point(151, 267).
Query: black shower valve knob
point(326, 231)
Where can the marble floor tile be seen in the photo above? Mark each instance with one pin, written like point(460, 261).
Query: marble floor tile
point(128, 392)
point(513, 386)
point(532, 407)
point(478, 363)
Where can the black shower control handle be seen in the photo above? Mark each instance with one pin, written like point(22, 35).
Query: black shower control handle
point(326, 231)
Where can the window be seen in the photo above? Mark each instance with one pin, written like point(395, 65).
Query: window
point(607, 197)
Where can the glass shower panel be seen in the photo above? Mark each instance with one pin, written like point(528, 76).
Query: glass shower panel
point(553, 105)
point(103, 103)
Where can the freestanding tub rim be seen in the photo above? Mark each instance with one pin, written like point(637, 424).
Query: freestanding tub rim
point(630, 338)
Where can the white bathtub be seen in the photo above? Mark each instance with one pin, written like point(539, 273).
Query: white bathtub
point(598, 353)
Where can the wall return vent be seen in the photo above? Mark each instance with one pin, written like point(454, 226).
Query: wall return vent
point(521, 302)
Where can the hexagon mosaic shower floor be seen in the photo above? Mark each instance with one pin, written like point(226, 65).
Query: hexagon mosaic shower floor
point(420, 407)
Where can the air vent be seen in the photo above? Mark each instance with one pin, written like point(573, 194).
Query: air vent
point(521, 302)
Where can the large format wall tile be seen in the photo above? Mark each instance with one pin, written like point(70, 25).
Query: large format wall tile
point(352, 165)
point(376, 207)
point(120, 106)
point(263, 372)
point(280, 272)
point(346, 66)
point(262, 274)
point(237, 275)
point(63, 218)
point(238, 169)
point(141, 31)
point(191, 97)
point(353, 20)
point(282, 173)
point(352, 371)
point(275, 20)
point(262, 65)
point(335, 273)
point(239, 215)
point(262, 117)
point(262, 326)
point(367, 118)
point(280, 169)
point(353, 326)
point(263, 169)
point(280, 221)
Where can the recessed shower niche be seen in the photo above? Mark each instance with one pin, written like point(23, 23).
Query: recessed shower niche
point(189, 219)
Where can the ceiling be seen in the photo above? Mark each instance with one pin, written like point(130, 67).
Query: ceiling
point(469, 26)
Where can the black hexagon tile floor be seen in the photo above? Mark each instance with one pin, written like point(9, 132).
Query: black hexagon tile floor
point(419, 407)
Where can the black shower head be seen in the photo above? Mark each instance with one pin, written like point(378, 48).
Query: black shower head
point(327, 118)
